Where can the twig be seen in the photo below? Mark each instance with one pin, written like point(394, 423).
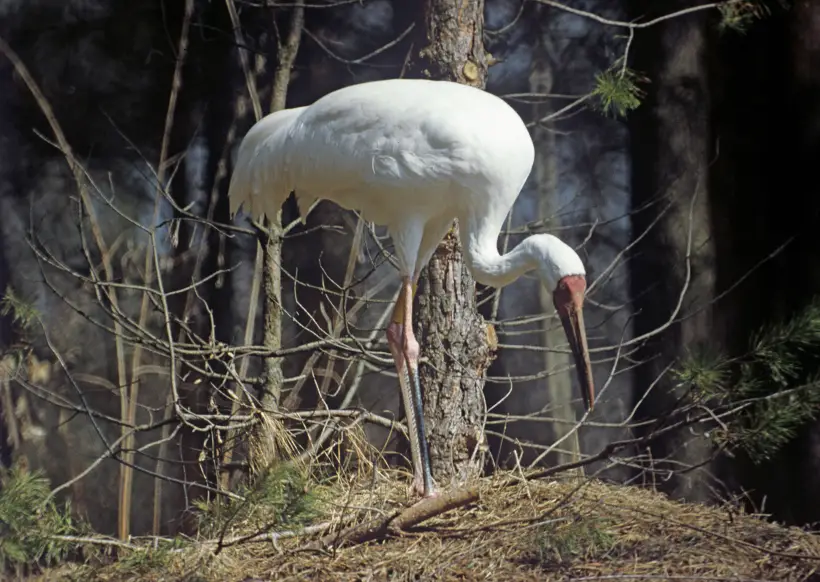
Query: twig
point(400, 521)
point(366, 57)
point(635, 25)
point(269, 536)
point(98, 541)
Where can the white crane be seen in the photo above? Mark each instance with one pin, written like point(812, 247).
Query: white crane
point(413, 155)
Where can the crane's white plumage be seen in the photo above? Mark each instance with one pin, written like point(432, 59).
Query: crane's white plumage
point(413, 155)
point(407, 154)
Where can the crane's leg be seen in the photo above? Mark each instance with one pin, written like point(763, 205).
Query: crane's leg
point(405, 350)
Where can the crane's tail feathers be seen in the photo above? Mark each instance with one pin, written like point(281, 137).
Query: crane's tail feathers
point(261, 181)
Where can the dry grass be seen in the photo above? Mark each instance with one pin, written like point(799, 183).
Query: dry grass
point(539, 530)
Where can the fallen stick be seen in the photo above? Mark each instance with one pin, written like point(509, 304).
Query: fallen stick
point(399, 521)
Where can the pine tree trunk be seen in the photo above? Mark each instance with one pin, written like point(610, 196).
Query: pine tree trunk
point(455, 343)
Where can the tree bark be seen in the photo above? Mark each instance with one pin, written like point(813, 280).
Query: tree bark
point(455, 344)
point(671, 155)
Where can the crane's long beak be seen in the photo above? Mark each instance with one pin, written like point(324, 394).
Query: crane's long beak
point(568, 298)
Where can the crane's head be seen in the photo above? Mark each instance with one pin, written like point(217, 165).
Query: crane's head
point(562, 272)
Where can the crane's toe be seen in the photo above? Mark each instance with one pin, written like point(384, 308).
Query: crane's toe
point(419, 490)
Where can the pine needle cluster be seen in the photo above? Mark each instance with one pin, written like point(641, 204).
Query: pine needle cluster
point(22, 313)
point(617, 90)
point(774, 389)
point(739, 15)
point(31, 522)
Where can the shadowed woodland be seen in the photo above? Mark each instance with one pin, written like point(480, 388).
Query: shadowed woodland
point(674, 151)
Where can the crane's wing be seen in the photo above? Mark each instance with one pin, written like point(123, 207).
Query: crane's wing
point(389, 149)
point(384, 155)
point(262, 179)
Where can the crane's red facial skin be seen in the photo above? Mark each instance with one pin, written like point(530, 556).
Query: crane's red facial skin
point(568, 298)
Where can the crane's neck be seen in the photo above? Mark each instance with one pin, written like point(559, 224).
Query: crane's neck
point(488, 267)
point(551, 257)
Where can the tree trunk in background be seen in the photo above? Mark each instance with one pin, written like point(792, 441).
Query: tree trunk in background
point(5, 384)
point(754, 198)
point(671, 156)
point(453, 336)
point(805, 61)
point(545, 173)
point(765, 192)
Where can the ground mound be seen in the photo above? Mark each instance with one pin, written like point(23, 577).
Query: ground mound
point(498, 529)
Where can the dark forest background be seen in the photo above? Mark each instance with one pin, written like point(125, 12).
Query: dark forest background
point(696, 212)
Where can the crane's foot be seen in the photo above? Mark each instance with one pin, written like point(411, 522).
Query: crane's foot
point(418, 488)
